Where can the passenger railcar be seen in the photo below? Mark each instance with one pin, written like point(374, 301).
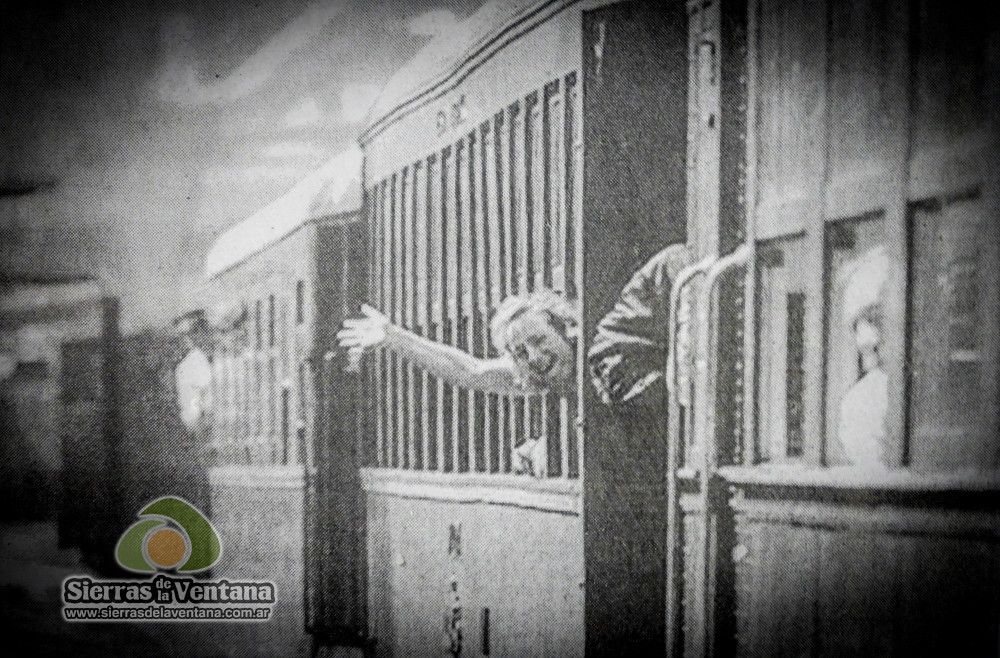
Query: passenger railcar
point(59, 342)
point(538, 145)
point(277, 287)
point(789, 145)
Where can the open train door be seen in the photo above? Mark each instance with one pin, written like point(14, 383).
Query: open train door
point(634, 205)
point(335, 593)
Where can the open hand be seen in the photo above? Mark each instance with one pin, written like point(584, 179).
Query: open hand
point(359, 334)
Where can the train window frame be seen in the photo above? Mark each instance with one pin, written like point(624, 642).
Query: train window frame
point(271, 319)
point(510, 170)
point(300, 301)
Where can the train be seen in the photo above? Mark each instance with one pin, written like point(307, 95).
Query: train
point(827, 172)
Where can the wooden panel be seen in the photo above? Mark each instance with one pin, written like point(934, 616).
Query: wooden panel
point(867, 99)
point(777, 570)
point(791, 117)
point(951, 598)
point(856, 590)
point(956, 338)
point(633, 205)
point(955, 87)
point(427, 551)
point(834, 575)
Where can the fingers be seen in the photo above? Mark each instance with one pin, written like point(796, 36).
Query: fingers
point(348, 339)
point(372, 313)
point(361, 333)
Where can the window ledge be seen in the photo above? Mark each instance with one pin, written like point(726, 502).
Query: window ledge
point(551, 495)
point(850, 478)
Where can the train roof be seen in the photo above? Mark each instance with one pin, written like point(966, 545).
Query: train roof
point(440, 61)
point(333, 189)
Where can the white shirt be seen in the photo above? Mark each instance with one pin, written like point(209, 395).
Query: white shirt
point(862, 420)
point(193, 378)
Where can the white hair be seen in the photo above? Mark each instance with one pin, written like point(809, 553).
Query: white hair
point(559, 311)
point(866, 282)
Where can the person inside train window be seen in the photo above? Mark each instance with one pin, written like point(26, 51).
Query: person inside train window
point(193, 373)
point(861, 425)
point(536, 336)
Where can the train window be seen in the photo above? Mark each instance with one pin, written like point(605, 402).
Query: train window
point(27, 370)
point(257, 403)
point(300, 301)
point(271, 312)
point(781, 311)
point(257, 321)
point(953, 414)
point(485, 216)
point(858, 272)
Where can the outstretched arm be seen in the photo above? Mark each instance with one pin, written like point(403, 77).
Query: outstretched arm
point(444, 361)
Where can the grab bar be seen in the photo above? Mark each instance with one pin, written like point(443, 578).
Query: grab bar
point(704, 437)
point(683, 278)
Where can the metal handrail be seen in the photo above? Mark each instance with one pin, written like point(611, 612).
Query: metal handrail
point(681, 281)
point(704, 436)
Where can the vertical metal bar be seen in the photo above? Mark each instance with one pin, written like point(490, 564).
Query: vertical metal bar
point(897, 218)
point(518, 175)
point(435, 300)
point(815, 245)
point(574, 250)
point(479, 420)
point(471, 282)
point(392, 403)
point(379, 284)
point(501, 140)
point(537, 218)
point(449, 296)
point(558, 112)
point(461, 207)
point(405, 306)
point(420, 305)
point(398, 309)
point(490, 233)
point(750, 285)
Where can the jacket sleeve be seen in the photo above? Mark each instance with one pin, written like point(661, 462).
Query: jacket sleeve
point(629, 351)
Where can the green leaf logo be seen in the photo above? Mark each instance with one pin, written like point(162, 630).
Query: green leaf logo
point(171, 532)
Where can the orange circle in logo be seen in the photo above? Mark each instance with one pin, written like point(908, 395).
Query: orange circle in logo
point(166, 547)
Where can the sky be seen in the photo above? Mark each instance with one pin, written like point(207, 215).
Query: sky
point(133, 133)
